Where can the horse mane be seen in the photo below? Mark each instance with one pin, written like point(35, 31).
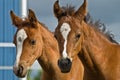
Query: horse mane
point(44, 26)
point(70, 10)
point(100, 27)
point(24, 23)
point(28, 23)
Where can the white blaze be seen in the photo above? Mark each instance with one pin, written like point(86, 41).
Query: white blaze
point(65, 29)
point(21, 36)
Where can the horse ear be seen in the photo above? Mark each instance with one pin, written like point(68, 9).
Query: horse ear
point(15, 19)
point(57, 9)
point(82, 11)
point(32, 17)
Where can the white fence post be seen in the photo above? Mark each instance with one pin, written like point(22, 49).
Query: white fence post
point(23, 8)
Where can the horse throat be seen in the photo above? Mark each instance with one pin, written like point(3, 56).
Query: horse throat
point(50, 52)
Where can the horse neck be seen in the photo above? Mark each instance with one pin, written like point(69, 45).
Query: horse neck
point(96, 45)
point(50, 55)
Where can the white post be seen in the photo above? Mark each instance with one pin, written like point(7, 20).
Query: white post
point(23, 15)
point(23, 9)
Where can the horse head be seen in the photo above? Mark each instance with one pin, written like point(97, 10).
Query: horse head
point(69, 33)
point(28, 42)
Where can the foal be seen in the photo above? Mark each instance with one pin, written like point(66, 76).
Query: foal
point(34, 42)
point(100, 56)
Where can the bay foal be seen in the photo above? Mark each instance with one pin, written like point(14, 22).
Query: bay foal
point(100, 56)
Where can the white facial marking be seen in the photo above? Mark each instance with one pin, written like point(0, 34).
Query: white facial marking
point(65, 29)
point(21, 36)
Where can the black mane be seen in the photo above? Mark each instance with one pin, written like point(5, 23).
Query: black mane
point(100, 27)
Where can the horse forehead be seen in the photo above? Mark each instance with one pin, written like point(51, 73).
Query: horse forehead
point(21, 34)
point(65, 29)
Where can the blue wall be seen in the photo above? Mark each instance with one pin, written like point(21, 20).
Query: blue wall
point(7, 54)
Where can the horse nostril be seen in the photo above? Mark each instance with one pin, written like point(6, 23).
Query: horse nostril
point(68, 61)
point(20, 70)
point(64, 62)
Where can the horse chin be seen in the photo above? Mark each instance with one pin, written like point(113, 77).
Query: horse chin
point(22, 75)
point(65, 65)
point(65, 71)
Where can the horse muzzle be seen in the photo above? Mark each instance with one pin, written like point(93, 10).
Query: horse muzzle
point(20, 71)
point(65, 65)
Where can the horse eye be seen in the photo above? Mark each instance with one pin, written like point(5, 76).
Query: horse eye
point(78, 36)
point(33, 42)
